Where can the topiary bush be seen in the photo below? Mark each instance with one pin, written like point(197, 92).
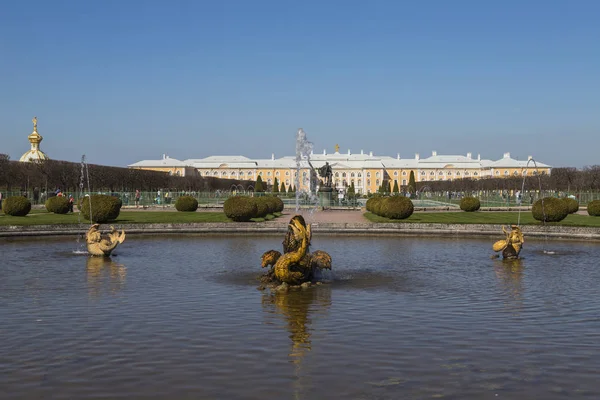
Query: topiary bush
point(470, 204)
point(396, 207)
point(554, 210)
point(593, 208)
point(572, 205)
point(57, 205)
point(262, 207)
point(17, 206)
point(373, 204)
point(278, 204)
point(271, 203)
point(240, 208)
point(104, 208)
point(186, 204)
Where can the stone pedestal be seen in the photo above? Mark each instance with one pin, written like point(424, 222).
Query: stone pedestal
point(325, 196)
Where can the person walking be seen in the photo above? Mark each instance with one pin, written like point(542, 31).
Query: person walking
point(137, 198)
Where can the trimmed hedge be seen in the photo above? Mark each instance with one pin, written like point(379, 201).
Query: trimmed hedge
point(373, 204)
point(262, 206)
point(554, 210)
point(240, 208)
point(470, 204)
point(572, 205)
point(593, 208)
point(17, 206)
point(186, 204)
point(104, 208)
point(57, 205)
point(396, 207)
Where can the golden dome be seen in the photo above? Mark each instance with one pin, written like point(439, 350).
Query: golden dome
point(35, 154)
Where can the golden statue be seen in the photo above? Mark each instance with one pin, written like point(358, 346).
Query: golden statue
point(337, 148)
point(512, 245)
point(34, 120)
point(98, 245)
point(296, 266)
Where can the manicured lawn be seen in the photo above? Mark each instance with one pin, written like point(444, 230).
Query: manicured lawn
point(38, 217)
point(485, 217)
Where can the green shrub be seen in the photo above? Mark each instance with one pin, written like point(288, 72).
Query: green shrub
point(104, 208)
point(396, 207)
point(262, 207)
point(57, 205)
point(470, 204)
point(278, 204)
point(572, 205)
point(553, 210)
point(593, 208)
point(271, 203)
point(186, 203)
point(373, 204)
point(240, 208)
point(17, 206)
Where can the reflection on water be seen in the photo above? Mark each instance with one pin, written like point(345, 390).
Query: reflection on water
point(103, 274)
point(509, 274)
point(295, 307)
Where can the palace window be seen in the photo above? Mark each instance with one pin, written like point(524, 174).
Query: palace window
point(535, 172)
point(359, 183)
point(360, 175)
point(223, 173)
point(543, 172)
point(277, 173)
point(457, 173)
point(352, 175)
point(337, 174)
point(233, 173)
point(403, 173)
point(404, 182)
point(304, 174)
point(475, 173)
point(337, 182)
point(377, 182)
point(524, 173)
point(178, 173)
point(206, 173)
point(215, 173)
point(368, 182)
point(377, 174)
point(432, 173)
point(449, 173)
point(395, 173)
point(466, 173)
point(515, 173)
point(506, 173)
point(269, 181)
point(249, 173)
point(269, 173)
point(260, 173)
point(497, 172)
point(422, 173)
point(368, 174)
point(287, 173)
point(287, 182)
point(441, 173)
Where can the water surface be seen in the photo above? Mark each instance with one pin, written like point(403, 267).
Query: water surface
point(180, 317)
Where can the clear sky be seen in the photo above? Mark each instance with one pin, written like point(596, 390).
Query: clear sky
point(125, 80)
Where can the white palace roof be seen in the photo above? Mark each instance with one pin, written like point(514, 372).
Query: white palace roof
point(344, 161)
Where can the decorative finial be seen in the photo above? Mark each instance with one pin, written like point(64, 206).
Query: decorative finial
point(34, 120)
point(337, 148)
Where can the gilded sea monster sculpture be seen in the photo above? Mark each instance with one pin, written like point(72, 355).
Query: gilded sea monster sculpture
point(512, 245)
point(99, 245)
point(296, 266)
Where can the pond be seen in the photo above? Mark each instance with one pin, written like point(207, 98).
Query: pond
point(181, 317)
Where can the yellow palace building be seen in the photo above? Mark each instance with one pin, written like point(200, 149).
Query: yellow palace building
point(366, 170)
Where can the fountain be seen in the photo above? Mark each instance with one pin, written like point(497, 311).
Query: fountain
point(303, 150)
point(296, 266)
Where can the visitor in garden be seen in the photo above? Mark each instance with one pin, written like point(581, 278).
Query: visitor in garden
point(137, 198)
point(71, 201)
point(0, 200)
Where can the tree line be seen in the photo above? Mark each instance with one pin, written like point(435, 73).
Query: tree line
point(67, 176)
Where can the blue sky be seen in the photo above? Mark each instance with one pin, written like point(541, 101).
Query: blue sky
point(122, 81)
